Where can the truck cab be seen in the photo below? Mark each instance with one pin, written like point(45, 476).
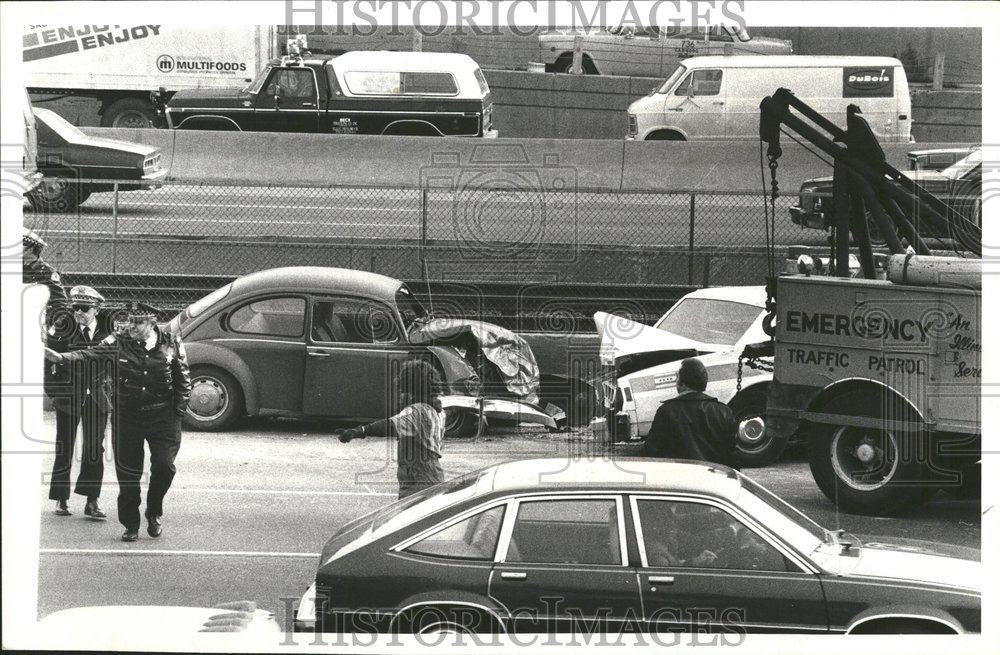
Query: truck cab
point(397, 93)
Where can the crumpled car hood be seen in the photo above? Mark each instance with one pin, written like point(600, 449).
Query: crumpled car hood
point(510, 353)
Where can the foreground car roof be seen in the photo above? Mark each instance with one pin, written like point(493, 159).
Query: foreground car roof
point(304, 278)
point(633, 474)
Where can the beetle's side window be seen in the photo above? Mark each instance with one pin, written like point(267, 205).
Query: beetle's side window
point(695, 535)
point(283, 317)
point(571, 531)
point(704, 82)
point(350, 320)
point(473, 538)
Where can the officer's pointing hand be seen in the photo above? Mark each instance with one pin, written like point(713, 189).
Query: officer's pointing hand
point(351, 433)
point(53, 356)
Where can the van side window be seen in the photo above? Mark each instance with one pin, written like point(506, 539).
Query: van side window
point(704, 82)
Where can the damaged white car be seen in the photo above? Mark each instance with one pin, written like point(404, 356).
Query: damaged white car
point(714, 325)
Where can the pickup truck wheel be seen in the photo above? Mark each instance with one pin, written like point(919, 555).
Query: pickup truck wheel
point(872, 471)
point(755, 447)
point(58, 195)
point(461, 423)
point(216, 400)
point(129, 112)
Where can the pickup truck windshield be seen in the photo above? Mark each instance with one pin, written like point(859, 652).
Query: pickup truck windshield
point(254, 87)
point(709, 320)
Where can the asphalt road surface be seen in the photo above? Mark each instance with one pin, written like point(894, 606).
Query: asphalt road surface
point(726, 221)
point(249, 512)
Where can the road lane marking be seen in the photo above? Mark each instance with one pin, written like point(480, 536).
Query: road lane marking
point(138, 205)
point(140, 551)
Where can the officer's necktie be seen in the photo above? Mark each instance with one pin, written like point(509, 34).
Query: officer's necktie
point(86, 333)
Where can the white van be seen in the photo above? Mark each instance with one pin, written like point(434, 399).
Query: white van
point(719, 97)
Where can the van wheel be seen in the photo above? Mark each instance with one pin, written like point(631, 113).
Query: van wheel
point(129, 112)
point(216, 400)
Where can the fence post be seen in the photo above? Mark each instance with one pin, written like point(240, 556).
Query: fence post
point(418, 39)
point(691, 243)
point(938, 71)
point(577, 55)
point(423, 232)
point(114, 233)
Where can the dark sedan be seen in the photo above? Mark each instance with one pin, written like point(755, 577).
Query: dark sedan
point(959, 186)
point(557, 545)
point(311, 341)
point(75, 165)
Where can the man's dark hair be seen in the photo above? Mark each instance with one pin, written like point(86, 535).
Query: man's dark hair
point(693, 375)
point(420, 380)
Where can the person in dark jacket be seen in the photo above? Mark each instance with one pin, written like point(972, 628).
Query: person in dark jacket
point(79, 393)
point(693, 425)
point(152, 387)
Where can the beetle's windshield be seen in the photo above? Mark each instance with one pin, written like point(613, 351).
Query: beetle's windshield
point(409, 307)
point(198, 307)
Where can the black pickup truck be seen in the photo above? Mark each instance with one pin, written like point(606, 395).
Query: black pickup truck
point(364, 92)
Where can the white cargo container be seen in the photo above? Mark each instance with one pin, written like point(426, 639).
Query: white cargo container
point(121, 65)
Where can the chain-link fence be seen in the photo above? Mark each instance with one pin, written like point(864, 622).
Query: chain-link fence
point(177, 242)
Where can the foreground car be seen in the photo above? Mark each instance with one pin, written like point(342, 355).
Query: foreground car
point(324, 342)
point(66, 154)
point(555, 545)
point(713, 325)
point(959, 185)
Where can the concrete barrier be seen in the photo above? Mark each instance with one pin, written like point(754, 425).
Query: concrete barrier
point(280, 159)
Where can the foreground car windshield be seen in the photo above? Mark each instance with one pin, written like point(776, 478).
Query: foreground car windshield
point(789, 523)
point(425, 502)
point(709, 321)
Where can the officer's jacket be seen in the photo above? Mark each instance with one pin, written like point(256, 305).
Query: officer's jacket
point(145, 381)
point(693, 426)
point(70, 384)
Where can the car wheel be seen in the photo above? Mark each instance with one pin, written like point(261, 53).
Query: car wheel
point(58, 195)
point(129, 112)
point(755, 447)
point(871, 471)
point(461, 423)
point(216, 400)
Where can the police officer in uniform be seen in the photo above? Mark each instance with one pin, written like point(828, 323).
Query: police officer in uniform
point(79, 391)
point(152, 387)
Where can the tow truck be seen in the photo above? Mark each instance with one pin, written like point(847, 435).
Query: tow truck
point(881, 372)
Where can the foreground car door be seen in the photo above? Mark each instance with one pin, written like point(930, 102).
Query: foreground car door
point(563, 561)
point(354, 347)
point(703, 568)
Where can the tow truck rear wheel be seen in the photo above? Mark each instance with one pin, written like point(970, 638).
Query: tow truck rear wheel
point(755, 447)
point(870, 470)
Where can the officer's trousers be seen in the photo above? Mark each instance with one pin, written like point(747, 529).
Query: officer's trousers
point(161, 429)
point(94, 419)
